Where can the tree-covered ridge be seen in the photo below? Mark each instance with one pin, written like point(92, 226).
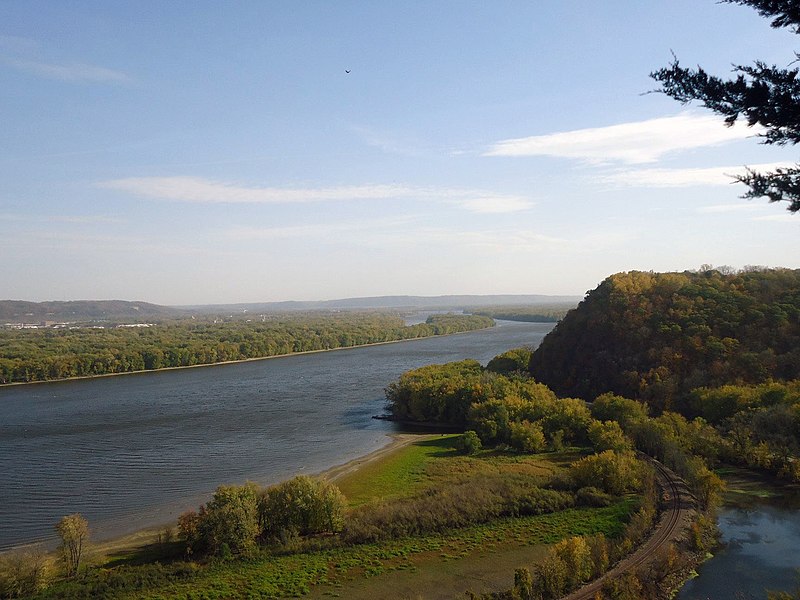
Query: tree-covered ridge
point(545, 313)
point(657, 336)
point(45, 354)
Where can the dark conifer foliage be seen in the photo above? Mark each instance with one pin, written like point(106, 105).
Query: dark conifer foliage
point(760, 94)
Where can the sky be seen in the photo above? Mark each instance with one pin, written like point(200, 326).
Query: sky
point(246, 151)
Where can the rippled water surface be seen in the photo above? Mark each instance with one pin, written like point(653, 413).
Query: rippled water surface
point(138, 450)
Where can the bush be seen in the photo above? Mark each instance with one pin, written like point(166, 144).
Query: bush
point(527, 437)
point(301, 505)
point(511, 361)
point(577, 555)
point(608, 435)
point(23, 572)
point(610, 471)
point(469, 443)
point(230, 520)
point(591, 496)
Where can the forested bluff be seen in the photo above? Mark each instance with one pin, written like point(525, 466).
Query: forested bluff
point(714, 356)
point(28, 355)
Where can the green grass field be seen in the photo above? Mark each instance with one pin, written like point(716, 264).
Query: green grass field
point(398, 474)
point(295, 575)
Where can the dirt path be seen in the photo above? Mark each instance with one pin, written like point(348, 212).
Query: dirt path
point(671, 527)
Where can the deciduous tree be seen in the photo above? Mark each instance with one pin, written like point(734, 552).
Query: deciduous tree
point(74, 533)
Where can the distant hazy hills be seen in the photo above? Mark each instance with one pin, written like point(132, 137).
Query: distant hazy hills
point(398, 302)
point(15, 311)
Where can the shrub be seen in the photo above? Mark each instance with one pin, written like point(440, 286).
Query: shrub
point(230, 519)
point(591, 496)
point(469, 443)
point(527, 437)
point(612, 472)
point(23, 572)
point(475, 500)
point(302, 505)
point(608, 435)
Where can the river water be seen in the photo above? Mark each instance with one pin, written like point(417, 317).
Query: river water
point(760, 548)
point(137, 450)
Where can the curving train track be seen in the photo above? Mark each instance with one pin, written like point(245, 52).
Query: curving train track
point(677, 509)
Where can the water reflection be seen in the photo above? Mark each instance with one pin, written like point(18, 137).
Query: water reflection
point(761, 551)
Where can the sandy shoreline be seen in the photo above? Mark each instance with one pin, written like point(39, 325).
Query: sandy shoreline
point(150, 535)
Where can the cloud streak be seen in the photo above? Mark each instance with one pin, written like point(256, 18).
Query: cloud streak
point(20, 53)
point(204, 191)
point(72, 72)
point(667, 178)
point(631, 143)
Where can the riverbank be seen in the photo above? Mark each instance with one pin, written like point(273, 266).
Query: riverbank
point(145, 449)
point(121, 547)
point(239, 361)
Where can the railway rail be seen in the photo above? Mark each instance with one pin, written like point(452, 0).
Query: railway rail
point(678, 505)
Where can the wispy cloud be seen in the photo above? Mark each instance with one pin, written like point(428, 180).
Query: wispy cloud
point(392, 142)
point(73, 72)
point(22, 54)
point(316, 231)
point(685, 177)
point(632, 143)
point(506, 241)
point(781, 218)
point(743, 206)
point(110, 244)
point(205, 191)
point(69, 219)
point(496, 204)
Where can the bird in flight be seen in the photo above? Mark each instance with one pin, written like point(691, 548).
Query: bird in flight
point(347, 70)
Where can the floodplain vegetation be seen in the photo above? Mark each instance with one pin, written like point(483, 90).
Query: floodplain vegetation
point(28, 355)
point(697, 370)
point(529, 470)
point(302, 535)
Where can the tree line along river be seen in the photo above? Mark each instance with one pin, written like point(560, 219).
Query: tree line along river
point(136, 451)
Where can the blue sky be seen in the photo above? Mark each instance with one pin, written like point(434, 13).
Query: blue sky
point(204, 152)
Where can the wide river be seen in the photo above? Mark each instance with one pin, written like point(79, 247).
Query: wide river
point(135, 451)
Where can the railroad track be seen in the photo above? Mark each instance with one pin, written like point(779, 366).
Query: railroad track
point(678, 501)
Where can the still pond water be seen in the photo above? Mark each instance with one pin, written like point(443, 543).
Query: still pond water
point(760, 547)
point(136, 451)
